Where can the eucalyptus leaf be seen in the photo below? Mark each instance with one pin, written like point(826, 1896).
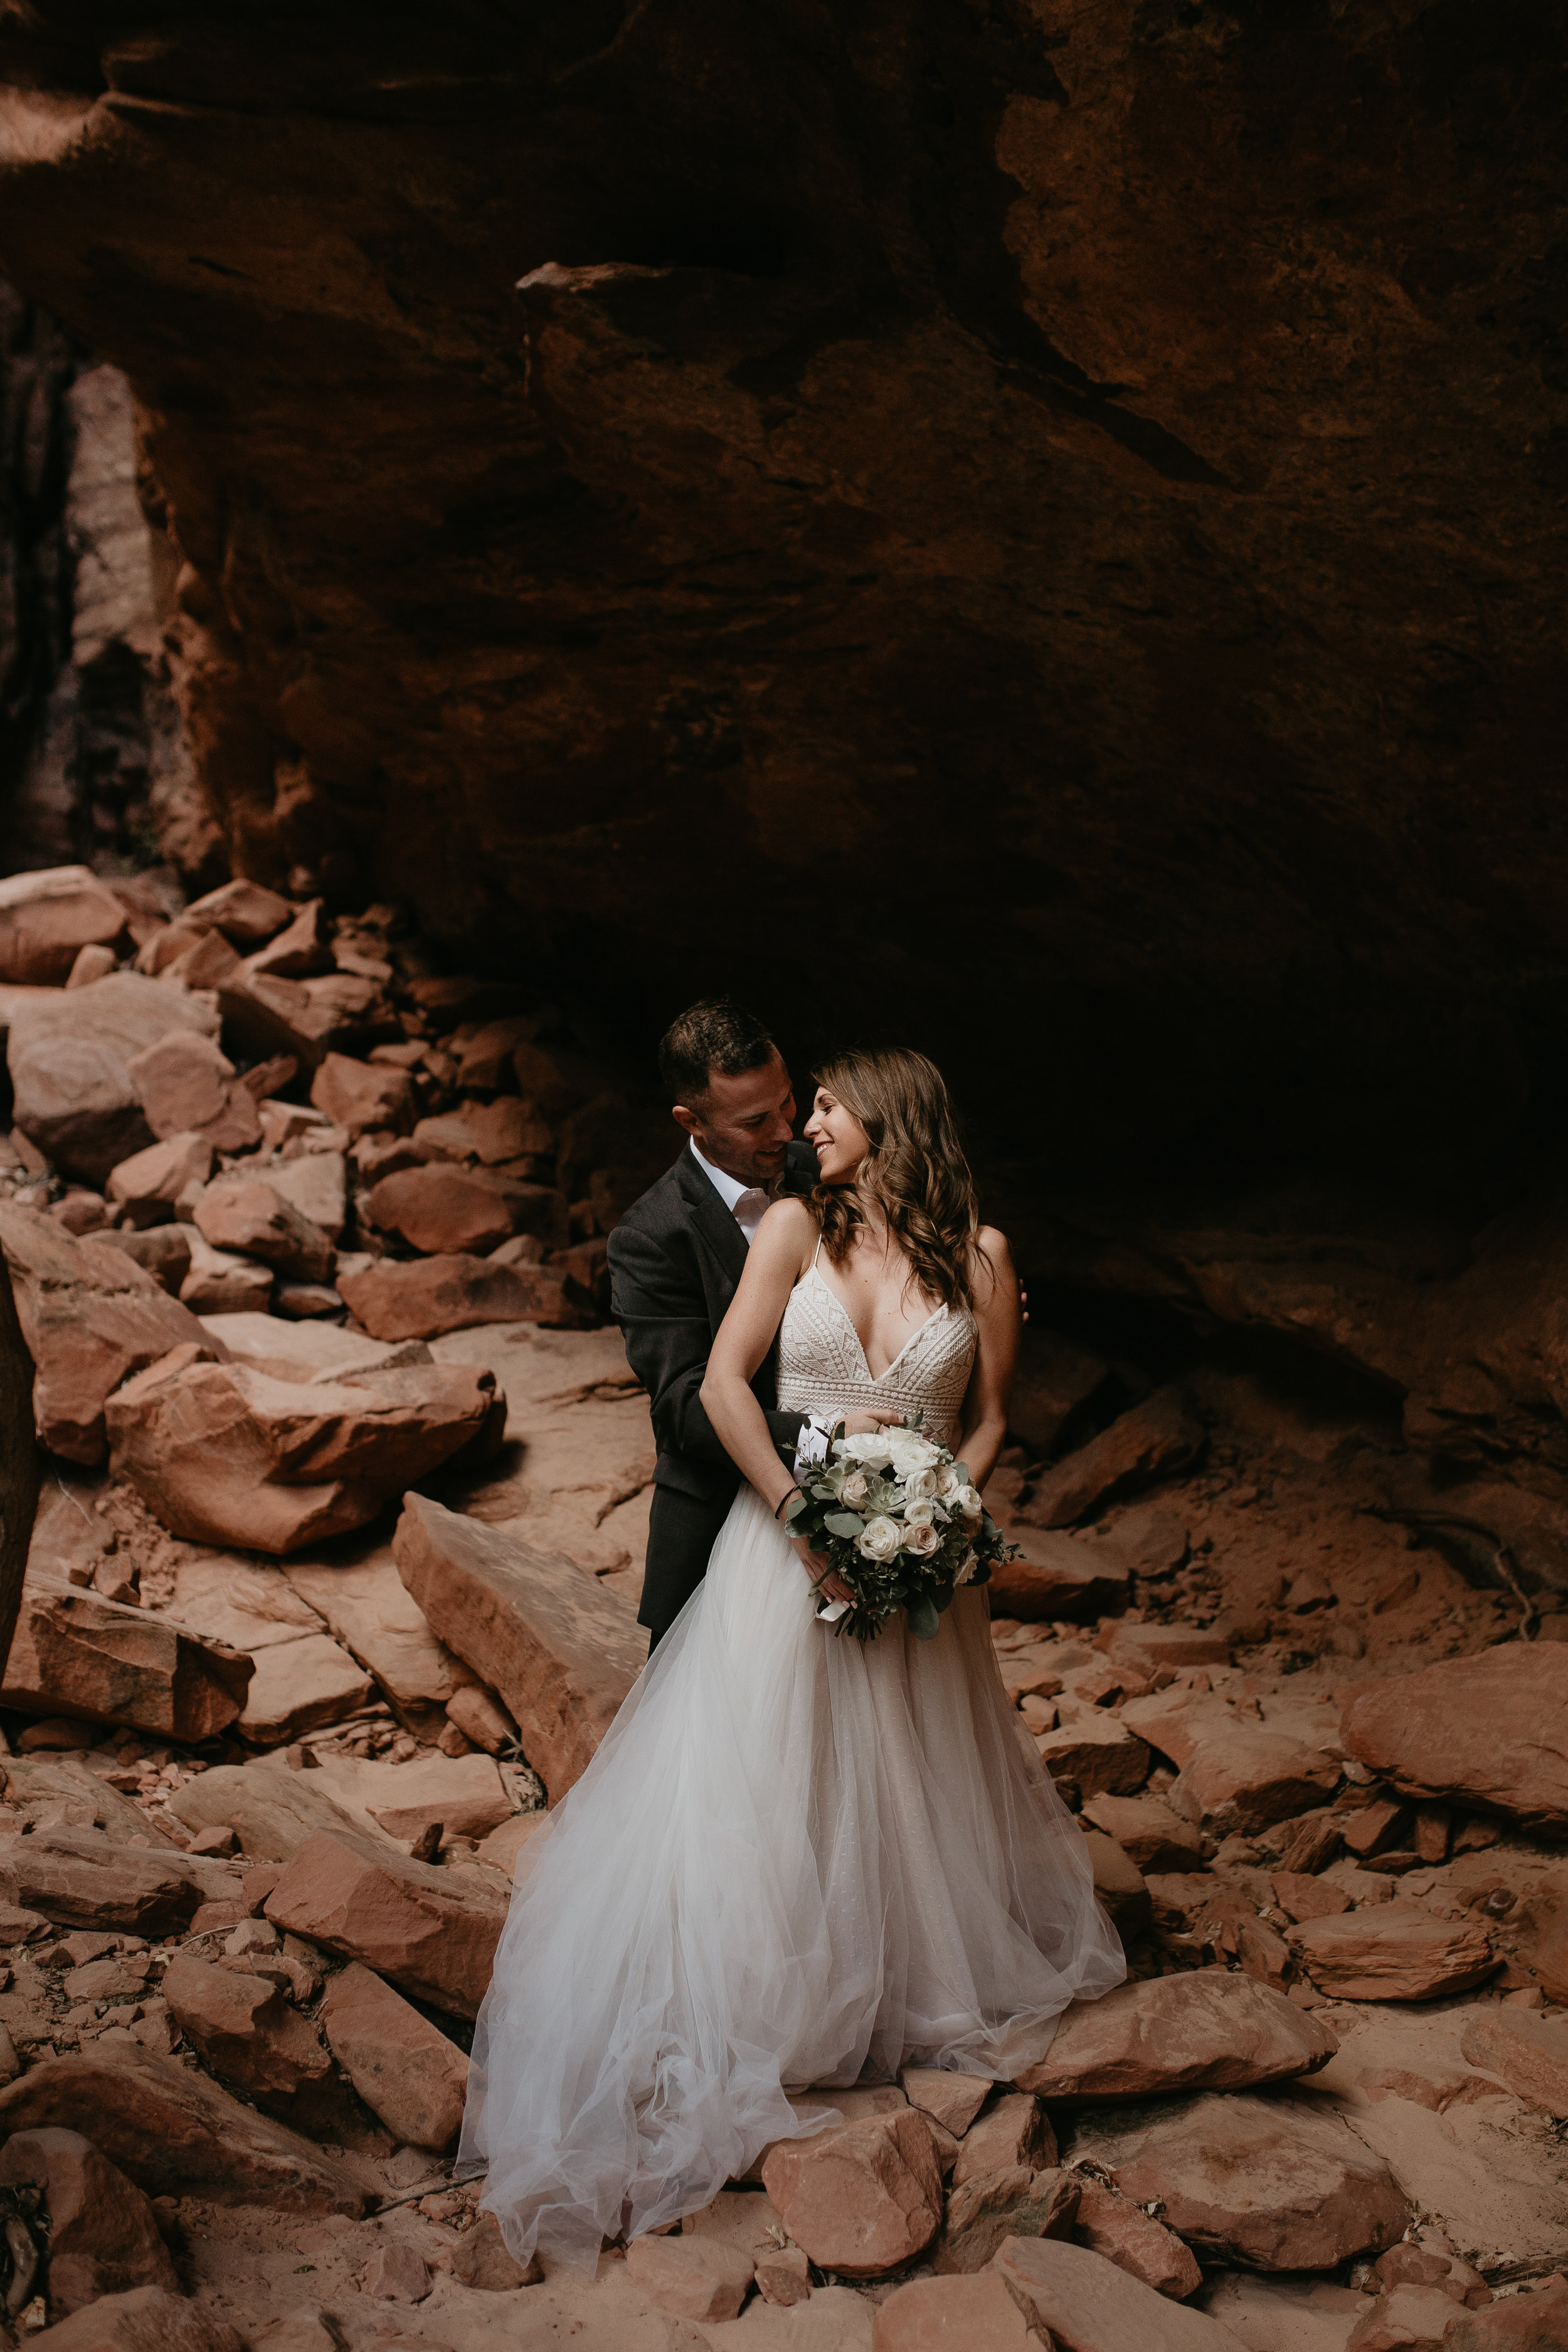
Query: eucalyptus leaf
point(797, 1503)
point(844, 1523)
point(924, 1621)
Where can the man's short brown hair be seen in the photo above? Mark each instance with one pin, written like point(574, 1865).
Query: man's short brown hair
point(716, 1034)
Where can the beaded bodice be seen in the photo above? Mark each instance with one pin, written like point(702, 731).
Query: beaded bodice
point(822, 1366)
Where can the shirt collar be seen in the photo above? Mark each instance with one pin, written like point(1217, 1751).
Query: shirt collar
point(728, 1189)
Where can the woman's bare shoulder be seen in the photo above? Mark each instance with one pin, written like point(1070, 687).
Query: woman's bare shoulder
point(993, 1266)
point(787, 1225)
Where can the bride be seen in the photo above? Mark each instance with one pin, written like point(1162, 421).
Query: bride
point(797, 1859)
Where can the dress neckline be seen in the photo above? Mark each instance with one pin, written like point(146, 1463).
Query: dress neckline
point(875, 1378)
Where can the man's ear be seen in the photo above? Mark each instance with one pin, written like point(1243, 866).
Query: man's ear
point(687, 1121)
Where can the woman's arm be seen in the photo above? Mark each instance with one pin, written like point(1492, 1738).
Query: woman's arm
point(997, 1311)
point(774, 1264)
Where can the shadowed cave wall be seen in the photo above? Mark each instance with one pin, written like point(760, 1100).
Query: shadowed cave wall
point(1036, 529)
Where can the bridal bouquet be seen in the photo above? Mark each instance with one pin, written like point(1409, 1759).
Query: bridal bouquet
point(899, 1520)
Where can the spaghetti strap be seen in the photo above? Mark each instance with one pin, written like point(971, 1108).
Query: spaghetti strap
point(815, 1254)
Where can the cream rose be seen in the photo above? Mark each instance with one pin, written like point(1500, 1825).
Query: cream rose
point(922, 1538)
point(920, 1514)
point(919, 1484)
point(970, 1562)
point(967, 1500)
point(855, 1489)
point(948, 1481)
point(880, 1540)
point(873, 1449)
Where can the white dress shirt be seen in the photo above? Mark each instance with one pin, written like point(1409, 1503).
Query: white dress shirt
point(747, 1204)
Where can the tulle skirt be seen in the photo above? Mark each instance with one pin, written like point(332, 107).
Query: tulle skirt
point(796, 1860)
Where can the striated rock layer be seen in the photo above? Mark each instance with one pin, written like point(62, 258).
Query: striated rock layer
point(1112, 460)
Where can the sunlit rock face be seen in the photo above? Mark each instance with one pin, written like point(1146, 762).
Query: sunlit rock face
point(1031, 526)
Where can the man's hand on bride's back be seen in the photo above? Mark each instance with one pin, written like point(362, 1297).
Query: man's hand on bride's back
point(861, 1425)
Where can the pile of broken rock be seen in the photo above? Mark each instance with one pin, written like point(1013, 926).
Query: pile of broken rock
point(330, 1598)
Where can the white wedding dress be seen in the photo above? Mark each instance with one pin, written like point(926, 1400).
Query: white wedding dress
point(796, 1859)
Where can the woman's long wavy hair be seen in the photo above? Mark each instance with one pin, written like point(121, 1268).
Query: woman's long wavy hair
point(916, 1172)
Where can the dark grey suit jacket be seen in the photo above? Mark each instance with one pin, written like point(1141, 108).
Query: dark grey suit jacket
point(676, 1258)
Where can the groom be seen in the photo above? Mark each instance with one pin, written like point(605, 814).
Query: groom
point(675, 1260)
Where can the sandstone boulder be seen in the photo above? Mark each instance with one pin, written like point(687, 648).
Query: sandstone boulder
point(691, 2278)
point(229, 1456)
point(1113, 2226)
point(103, 2234)
point(163, 1183)
point(494, 1134)
point(46, 917)
point(1529, 2054)
point(404, 2068)
point(176, 2134)
point(1207, 2029)
point(1302, 1896)
point(1526, 2323)
point(89, 1317)
point(220, 1282)
point(244, 912)
point(1149, 1832)
point(303, 1351)
point(479, 2258)
point(103, 1661)
point(1095, 1751)
point(954, 2099)
point(1156, 1438)
point(863, 2200)
point(561, 1652)
point(993, 2206)
point(1059, 1576)
point(427, 1930)
point(1487, 1732)
point(299, 1687)
point(301, 951)
point(1013, 2134)
point(1078, 2302)
point(357, 1094)
point(1266, 2184)
point(162, 1251)
point(1119, 1887)
point(69, 1060)
point(266, 1016)
point(80, 1879)
point(1393, 1952)
point(249, 1217)
point(147, 2319)
point(421, 1299)
point(1245, 1778)
point(367, 1607)
point(251, 2039)
point(186, 1084)
point(441, 1209)
point(316, 1184)
point(270, 1809)
point(955, 2315)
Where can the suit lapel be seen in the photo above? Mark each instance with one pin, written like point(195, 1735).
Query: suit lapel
point(710, 1217)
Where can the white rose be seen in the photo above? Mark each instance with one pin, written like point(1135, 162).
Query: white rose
point(855, 1489)
point(919, 1484)
point(922, 1538)
point(919, 1514)
point(967, 1500)
point(948, 1481)
point(880, 1540)
point(919, 1452)
point(970, 1562)
point(872, 1449)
